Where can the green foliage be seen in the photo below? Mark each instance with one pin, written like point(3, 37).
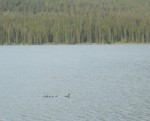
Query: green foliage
point(74, 21)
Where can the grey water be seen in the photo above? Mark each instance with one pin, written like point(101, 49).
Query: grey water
point(105, 83)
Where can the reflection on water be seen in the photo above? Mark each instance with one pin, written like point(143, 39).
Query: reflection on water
point(80, 83)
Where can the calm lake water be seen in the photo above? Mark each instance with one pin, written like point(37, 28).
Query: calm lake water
point(106, 83)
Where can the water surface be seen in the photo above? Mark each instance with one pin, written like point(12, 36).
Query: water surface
point(106, 83)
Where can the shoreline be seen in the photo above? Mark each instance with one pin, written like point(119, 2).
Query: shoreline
point(49, 44)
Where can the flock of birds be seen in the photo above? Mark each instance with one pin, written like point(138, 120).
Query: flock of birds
point(48, 96)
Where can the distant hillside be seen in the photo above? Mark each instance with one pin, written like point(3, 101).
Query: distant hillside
point(74, 21)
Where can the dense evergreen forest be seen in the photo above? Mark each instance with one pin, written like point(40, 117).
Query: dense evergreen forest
point(74, 21)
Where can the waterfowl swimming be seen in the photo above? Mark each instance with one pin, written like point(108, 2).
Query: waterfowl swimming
point(68, 95)
point(46, 96)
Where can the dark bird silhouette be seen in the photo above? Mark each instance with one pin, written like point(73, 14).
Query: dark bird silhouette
point(68, 95)
point(46, 96)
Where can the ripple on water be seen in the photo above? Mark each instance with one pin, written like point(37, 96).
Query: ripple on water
point(106, 83)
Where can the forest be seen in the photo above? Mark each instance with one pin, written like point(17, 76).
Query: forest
point(74, 21)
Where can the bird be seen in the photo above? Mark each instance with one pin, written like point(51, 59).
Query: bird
point(68, 95)
point(46, 96)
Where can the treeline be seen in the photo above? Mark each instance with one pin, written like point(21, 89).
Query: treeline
point(74, 21)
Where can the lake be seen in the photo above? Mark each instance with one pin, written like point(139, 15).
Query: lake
point(105, 83)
